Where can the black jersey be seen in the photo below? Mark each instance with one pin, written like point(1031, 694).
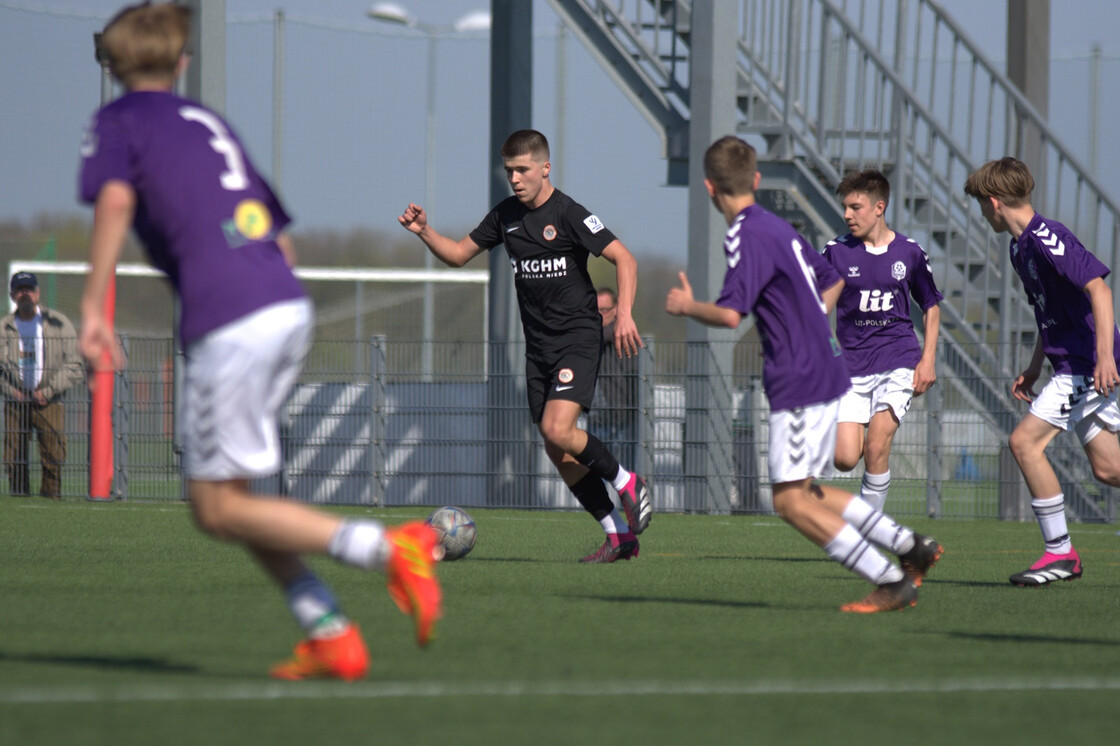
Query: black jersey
point(548, 249)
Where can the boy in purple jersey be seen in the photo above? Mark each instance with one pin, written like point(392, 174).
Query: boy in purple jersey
point(1077, 332)
point(774, 273)
point(882, 270)
point(173, 170)
point(548, 237)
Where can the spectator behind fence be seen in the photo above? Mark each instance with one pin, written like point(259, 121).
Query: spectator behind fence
point(614, 416)
point(39, 362)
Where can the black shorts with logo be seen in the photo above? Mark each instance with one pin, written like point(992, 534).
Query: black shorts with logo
point(567, 374)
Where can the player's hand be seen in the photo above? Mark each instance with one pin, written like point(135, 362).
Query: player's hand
point(626, 337)
point(925, 375)
point(1105, 378)
point(414, 218)
point(679, 298)
point(1023, 386)
point(99, 345)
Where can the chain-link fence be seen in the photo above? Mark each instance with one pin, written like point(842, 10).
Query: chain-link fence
point(365, 426)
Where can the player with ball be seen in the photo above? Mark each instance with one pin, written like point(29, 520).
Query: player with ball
point(549, 238)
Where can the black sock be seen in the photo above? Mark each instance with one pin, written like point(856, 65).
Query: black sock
point(592, 495)
point(598, 459)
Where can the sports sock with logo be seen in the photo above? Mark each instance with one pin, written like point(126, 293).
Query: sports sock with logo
point(873, 488)
point(877, 526)
point(855, 553)
point(314, 606)
point(1051, 515)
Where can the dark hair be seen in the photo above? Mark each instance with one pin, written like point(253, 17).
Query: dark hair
point(526, 142)
point(870, 182)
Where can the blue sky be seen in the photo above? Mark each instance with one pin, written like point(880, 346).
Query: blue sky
point(370, 162)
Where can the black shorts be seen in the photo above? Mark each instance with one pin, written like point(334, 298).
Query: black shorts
point(569, 375)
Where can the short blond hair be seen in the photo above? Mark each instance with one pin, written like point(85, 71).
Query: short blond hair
point(146, 41)
point(730, 163)
point(1007, 179)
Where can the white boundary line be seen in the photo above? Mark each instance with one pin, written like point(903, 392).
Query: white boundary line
point(271, 691)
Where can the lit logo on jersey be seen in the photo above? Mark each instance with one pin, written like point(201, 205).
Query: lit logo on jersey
point(549, 232)
point(898, 271)
point(593, 223)
point(874, 301)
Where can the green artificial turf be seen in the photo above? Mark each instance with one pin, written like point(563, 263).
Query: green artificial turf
point(121, 624)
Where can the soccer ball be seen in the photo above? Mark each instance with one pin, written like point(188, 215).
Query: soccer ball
point(456, 531)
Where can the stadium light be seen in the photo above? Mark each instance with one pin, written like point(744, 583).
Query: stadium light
point(476, 20)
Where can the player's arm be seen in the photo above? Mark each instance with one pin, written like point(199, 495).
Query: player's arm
point(831, 294)
point(626, 337)
point(449, 251)
point(112, 218)
point(287, 248)
point(681, 303)
point(1022, 388)
point(925, 374)
point(1105, 378)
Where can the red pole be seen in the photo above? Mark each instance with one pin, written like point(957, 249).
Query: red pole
point(101, 414)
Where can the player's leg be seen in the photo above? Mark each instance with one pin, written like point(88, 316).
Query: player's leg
point(851, 424)
point(48, 422)
point(802, 442)
point(891, 397)
point(1028, 443)
point(588, 489)
point(572, 380)
point(236, 380)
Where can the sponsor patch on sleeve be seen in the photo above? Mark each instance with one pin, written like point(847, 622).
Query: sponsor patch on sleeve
point(593, 223)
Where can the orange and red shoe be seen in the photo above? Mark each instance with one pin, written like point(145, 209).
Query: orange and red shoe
point(342, 656)
point(411, 575)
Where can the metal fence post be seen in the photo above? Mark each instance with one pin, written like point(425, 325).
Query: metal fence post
point(935, 457)
point(123, 409)
point(644, 452)
point(378, 418)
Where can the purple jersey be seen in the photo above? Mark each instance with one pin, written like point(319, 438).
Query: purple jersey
point(205, 216)
point(1055, 268)
point(873, 314)
point(773, 273)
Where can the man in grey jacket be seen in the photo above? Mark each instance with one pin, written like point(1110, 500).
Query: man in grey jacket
point(39, 361)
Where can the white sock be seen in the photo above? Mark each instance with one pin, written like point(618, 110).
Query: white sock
point(878, 527)
point(613, 523)
point(874, 488)
point(1051, 515)
point(361, 544)
point(854, 552)
point(620, 479)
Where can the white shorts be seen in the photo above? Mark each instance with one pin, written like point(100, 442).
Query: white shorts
point(872, 394)
point(1069, 401)
point(802, 441)
point(237, 378)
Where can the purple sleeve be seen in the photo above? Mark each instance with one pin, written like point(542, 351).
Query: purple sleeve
point(1077, 264)
point(923, 289)
point(104, 157)
point(826, 274)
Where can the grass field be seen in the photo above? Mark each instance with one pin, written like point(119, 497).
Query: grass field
point(120, 624)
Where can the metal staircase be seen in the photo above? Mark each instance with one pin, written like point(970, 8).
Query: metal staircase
point(895, 85)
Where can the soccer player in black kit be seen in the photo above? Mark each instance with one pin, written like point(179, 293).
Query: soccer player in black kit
point(548, 237)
